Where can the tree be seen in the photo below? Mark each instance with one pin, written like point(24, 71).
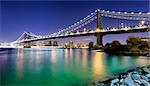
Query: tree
point(144, 46)
point(116, 43)
point(133, 41)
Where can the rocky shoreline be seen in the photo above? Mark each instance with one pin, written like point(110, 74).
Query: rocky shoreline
point(139, 76)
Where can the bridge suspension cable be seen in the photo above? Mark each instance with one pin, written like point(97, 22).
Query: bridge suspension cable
point(77, 24)
point(88, 19)
point(125, 15)
point(112, 14)
point(22, 36)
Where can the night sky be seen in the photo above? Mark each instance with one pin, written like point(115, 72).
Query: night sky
point(46, 17)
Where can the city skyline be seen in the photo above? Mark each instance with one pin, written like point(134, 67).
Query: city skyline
point(40, 17)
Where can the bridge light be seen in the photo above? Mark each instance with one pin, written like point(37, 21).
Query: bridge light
point(119, 12)
point(125, 12)
point(97, 30)
point(98, 10)
point(140, 12)
point(108, 11)
point(142, 22)
point(126, 29)
point(132, 12)
point(91, 31)
point(92, 13)
point(148, 13)
point(95, 10)
point(72, 25)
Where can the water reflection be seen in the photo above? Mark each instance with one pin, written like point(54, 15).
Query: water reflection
point(84, 57)
point(53, 55)
point(20, 63)
point(142, 59)
point(98, 66)
point(66, 56)
point(37, 60)
point(62, 66)
point(3, 59)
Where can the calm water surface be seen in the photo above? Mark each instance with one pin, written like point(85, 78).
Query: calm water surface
point(61, 66)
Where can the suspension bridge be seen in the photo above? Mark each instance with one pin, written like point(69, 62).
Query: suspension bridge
point(99, 32)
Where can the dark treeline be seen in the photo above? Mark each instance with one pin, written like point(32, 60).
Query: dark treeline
point(134, 44)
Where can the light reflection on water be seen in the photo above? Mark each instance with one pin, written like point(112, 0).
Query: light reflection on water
point(98, 66)
point(62, 66)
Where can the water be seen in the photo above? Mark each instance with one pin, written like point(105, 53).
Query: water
point(53, 66)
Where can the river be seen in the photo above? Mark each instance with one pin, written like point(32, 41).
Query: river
point(65, 67)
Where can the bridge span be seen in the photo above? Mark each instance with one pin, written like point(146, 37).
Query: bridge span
point(98, 31)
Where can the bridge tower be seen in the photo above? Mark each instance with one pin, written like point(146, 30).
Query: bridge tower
point(98, 29)
point(26, 44)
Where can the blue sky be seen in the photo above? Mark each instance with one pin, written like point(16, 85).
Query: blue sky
point(45, 17)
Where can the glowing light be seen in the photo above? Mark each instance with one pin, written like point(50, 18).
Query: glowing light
point(97, 30)
point(140, 13)
point(125, 12)
point(125, 29)
point(98, 65)
point(98, 10)
point(148, 13)
point(132, 12)
point(142, 22)
point(119, 12)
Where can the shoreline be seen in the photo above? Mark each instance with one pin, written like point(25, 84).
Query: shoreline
point(139, 76)
point(129, 53)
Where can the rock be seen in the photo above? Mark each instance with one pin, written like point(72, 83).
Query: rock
point(136, 84)
point(136, 77)
point(129, 81)
point(144, 77)
point(121, 80)
point(148, 76)
point(137, 81)
point(115, 80)
point(101, 84)
point(145, 83)
point(146, 70)
point(123, 85)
